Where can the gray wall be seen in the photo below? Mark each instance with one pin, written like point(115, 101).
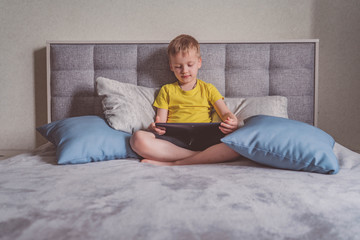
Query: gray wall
point(25, 26)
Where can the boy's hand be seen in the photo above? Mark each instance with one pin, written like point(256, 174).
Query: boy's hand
point(155, 129)
point(229, 125)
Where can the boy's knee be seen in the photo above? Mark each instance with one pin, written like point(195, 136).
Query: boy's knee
point(135, 139)
point(138, 140)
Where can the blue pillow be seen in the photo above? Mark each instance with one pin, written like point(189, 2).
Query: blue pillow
point(86, 139)
point(284, 143)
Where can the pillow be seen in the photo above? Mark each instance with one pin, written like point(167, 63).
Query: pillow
point(127, 107)
point(284, 143)
point(86, 139)
point(244, 108)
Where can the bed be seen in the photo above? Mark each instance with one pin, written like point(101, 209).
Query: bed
point(126, 199)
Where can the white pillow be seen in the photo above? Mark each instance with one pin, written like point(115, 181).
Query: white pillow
point(244, 108)
point(127, 107)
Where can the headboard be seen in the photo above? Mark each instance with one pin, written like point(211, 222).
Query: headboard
point(242, 69)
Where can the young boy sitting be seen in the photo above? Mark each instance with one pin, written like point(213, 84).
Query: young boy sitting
point(187, 100)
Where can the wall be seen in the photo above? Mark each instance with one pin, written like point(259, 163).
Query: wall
point(337, 25)
point(25, 26)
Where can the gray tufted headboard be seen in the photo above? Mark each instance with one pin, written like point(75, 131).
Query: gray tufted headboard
point(236, 69)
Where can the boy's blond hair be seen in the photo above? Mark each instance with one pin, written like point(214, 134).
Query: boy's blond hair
point(183, 43)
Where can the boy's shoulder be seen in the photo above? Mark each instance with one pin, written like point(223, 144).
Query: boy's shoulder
point(206, 84)
point(169, 85)
point(203, 82)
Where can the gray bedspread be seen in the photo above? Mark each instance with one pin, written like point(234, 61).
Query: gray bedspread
point(125, 199)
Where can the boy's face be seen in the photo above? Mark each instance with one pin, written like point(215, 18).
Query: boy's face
point(185, 66)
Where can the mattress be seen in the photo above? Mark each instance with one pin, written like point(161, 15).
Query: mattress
point(126, 199)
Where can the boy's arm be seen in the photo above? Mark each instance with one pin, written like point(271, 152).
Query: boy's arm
point(161, 117)
point(230, 122)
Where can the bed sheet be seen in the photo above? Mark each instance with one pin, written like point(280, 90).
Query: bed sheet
point(126, 199)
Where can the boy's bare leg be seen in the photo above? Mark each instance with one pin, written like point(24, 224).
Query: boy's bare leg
point(149, 147)
point(215, 154)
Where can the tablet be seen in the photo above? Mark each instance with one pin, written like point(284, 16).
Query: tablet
point(197, 136)
point(193, 128)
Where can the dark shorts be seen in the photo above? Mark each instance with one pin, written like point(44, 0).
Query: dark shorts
point(192, 140)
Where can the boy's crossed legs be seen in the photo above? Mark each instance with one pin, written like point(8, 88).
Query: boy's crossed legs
point(161, 152)
point(148, 146)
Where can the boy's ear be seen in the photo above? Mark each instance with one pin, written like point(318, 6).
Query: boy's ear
point(200, 62)
point(171, 67)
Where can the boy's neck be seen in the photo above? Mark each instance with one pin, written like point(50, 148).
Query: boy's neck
point(188, 86)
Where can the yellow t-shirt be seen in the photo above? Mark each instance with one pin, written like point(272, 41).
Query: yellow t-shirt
point(188, 106)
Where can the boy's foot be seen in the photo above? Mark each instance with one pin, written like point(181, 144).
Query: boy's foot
point(158, 163)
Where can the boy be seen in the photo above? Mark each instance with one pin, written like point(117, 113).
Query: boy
point(187, 100)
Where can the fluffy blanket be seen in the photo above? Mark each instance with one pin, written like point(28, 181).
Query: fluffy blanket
point(125, 199)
